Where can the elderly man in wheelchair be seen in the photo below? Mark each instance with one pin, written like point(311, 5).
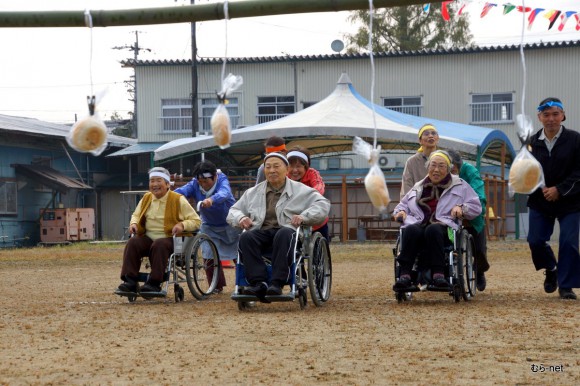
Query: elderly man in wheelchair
point(269, 213)
point(435, 203)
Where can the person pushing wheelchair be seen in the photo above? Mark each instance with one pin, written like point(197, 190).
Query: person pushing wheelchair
point(432, 205)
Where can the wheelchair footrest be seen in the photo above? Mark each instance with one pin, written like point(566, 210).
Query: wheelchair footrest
point(412, 288)
point(280, 298)
point(145, 295)
point(431, 287)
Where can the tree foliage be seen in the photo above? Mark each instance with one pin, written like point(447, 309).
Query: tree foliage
point(409, 29)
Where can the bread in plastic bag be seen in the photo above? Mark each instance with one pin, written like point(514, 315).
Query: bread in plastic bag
point(221, 127)
point(375, 183)
point(526, 173)
point(88, 135)
point(220, 122)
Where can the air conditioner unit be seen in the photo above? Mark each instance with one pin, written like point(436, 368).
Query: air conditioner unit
point(386, 162)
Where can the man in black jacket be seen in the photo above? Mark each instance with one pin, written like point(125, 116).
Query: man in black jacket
point(558, 151)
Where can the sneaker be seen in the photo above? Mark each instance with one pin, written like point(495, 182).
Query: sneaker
point(148, 287)
point(256, 290)
point(567, 293)
point(551, 281)
point(439, 281)
point(480, 281)
point(217, 291)
point(403, 282)
point(127, 287)
point(274, 290)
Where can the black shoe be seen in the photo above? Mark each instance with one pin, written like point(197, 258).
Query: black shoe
point(217, 291)
point(256, 290)
point(127, 287)
point(274, 290)
point(439, 281)
point(480, 281)
point(148, 287)
point(567, 293)
point(551, 281)
point(403, 282)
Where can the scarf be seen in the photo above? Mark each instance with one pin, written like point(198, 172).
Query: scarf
point(430, 197)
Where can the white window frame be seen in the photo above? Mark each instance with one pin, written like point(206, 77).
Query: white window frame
point(407, 104)
point(207, 106)
point(279, 104)
point(492, 108)
point(178, 123)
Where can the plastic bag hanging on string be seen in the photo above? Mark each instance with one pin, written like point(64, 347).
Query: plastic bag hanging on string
point(221, 126)
point(89, 135)
point(526, 174)
point(220, 122)
point(375, 183)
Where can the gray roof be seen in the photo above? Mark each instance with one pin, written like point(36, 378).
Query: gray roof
point(34, 126)
point(423, 52)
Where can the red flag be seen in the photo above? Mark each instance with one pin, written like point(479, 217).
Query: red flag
point(521, 9)
point(444, 10)
point(486, 8)
point(463, 5)
point(577, 22)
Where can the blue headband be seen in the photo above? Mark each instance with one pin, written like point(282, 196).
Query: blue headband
point(550, 104)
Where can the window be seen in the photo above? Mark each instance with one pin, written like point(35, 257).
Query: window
point(208, 106)
point(271, 108)
point(176, 115)
point(406, 105)
point(492, 108)
point(8, 197)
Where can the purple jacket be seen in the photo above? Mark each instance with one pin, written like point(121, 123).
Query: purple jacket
point(459, 193)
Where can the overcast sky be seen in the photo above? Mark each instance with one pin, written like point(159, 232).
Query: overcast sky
point(45, 73)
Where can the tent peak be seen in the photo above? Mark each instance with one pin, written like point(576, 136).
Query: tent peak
point(344, 79)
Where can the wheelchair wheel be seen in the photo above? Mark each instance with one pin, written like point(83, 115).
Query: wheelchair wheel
point(319, 270)
point(201, 266)
point(467, 250)
point(400, 296)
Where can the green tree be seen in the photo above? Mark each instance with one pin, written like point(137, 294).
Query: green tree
point(409, 29)
point(124, 126)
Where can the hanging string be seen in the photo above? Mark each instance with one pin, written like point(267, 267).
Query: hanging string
point(523, 59)
point(370, 48)
point(226, 17)
point(89, 23)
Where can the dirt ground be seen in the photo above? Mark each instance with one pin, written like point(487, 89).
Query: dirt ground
point(62, 324)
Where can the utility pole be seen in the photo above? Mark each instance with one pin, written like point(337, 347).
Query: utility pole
point(194, 91)
point(135, 48)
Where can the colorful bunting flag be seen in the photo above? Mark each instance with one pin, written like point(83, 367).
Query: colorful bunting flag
point(521, 9)
point(486, 8)
point(507, 8)
point(577, 22)
point(426, 7)
point(463, 5)
point(532, 17)
point(445, 11)
point(564, 18)
point(552, 16)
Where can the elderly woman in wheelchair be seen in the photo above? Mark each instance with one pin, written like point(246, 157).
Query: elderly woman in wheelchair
point(427, 211)
point(269, 213)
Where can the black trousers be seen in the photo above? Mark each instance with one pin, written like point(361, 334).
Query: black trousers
point(428, 240)
point(255, 243)
point(140, 246)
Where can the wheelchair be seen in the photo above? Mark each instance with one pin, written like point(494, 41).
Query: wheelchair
point(193, 255)
point(460, 269)
point(312, 268)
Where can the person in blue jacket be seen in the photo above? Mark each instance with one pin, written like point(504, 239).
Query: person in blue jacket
point(210, 188)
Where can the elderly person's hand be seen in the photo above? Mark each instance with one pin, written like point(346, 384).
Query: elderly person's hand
point(297, 220)
point(133, 229)
point(457, 211)
point(551, 193)
point(178, 229)
point(400, 216)
point(246, 223)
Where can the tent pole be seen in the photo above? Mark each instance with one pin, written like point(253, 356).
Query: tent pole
point(344, 211)
point(187, 13)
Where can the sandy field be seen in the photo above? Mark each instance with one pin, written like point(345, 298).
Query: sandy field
point(62, 324)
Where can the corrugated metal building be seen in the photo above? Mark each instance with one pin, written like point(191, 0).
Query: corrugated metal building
point(481, 86)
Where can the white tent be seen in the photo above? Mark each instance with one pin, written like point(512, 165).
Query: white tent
point(331, 124)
